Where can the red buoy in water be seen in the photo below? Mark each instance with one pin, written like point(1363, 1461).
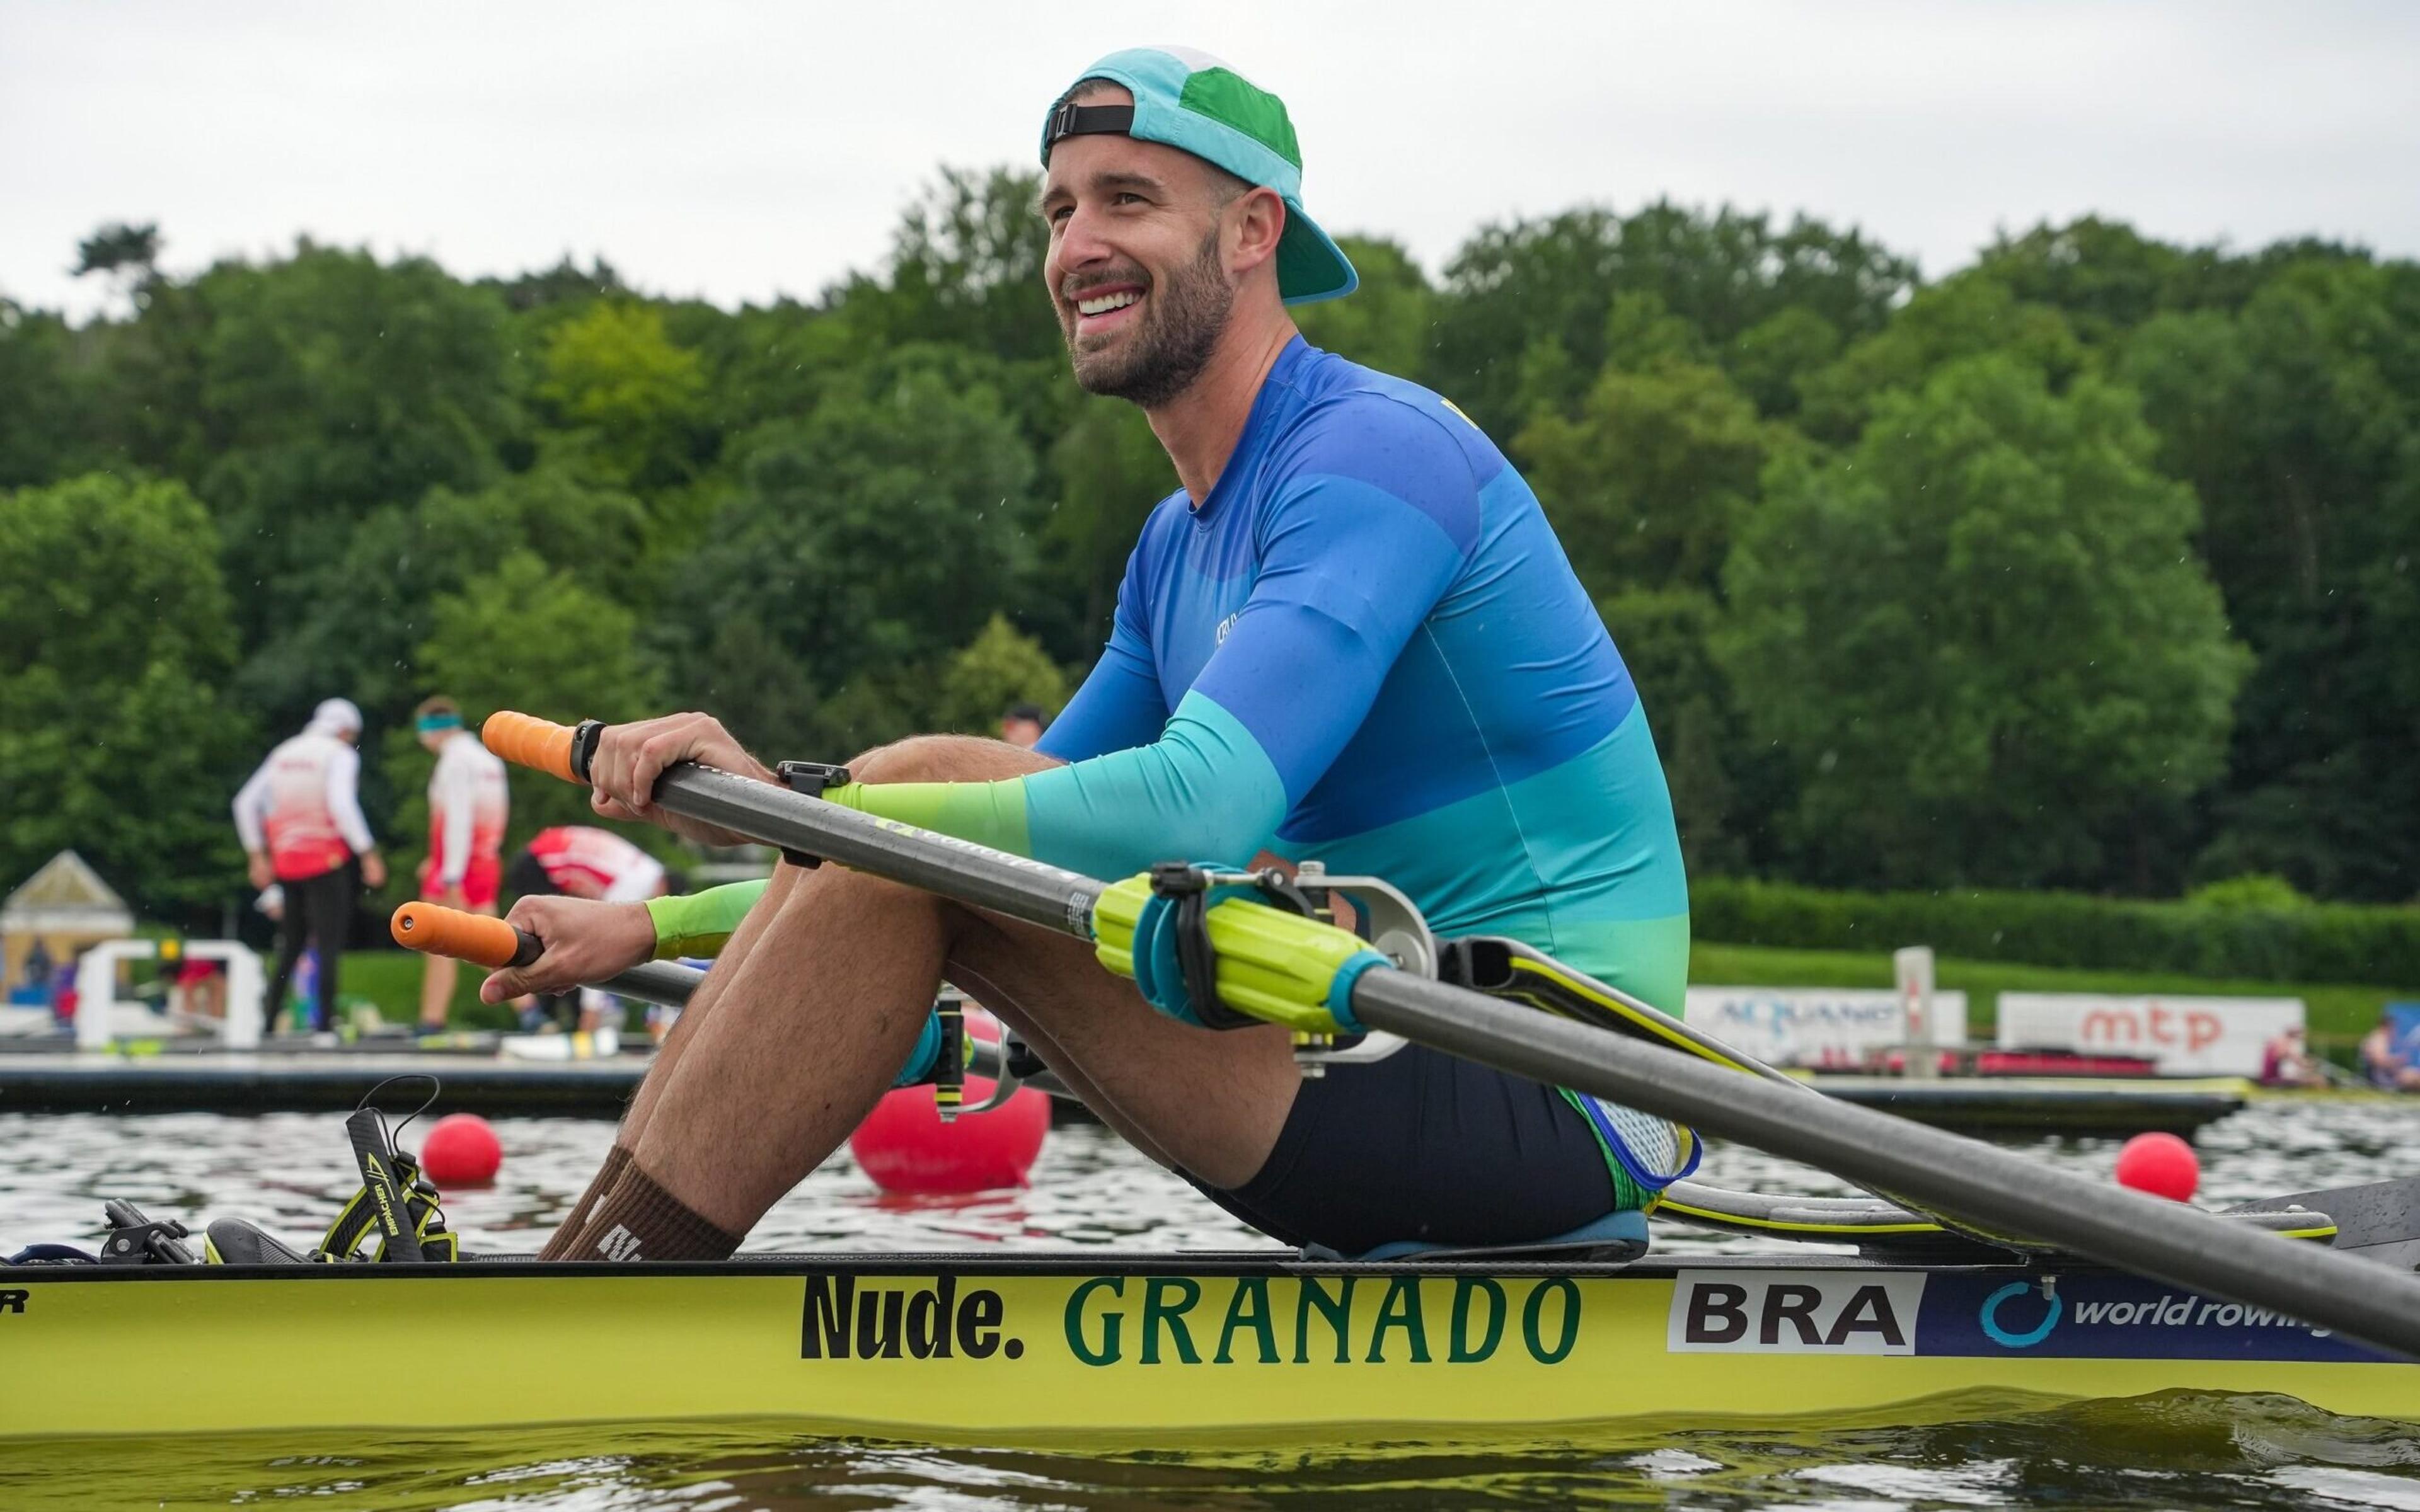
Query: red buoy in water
point(460, 1151)
point(906, 1147)
point(2160, 1165)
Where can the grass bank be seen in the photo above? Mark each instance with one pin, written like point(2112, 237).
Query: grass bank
point(391, 979)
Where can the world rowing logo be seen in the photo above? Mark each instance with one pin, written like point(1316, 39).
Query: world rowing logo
point(2091, 1316)
point(2000, 1334)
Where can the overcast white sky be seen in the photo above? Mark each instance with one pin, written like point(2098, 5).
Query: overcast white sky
point(741, 151)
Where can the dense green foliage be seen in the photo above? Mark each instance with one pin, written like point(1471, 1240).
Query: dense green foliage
point(1987, 616)
point(2306, 942)
point(2090, 566)
point(117, 647)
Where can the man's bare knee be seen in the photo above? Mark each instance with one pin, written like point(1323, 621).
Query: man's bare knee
point(839, 891)
point(945, 759)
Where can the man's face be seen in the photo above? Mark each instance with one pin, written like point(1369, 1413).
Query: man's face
point(1136, 270)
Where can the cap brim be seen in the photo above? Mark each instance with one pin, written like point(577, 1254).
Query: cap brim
point(1311, 266)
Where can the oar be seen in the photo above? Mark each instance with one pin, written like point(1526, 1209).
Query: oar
point(1979, 1183)
point(1869, 1220)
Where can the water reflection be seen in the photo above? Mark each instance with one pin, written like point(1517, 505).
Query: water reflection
point(2179, 1450)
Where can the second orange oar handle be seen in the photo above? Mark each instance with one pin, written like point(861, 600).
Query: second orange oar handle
point(558, 749)
point(482, 940)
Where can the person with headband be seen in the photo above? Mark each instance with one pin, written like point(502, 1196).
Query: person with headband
point(468, 804)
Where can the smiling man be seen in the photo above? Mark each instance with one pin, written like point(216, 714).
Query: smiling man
point(1350, 637)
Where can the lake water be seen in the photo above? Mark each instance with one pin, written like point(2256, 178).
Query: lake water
point(290, 1171)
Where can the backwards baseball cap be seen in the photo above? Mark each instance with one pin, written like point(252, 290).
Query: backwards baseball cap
point(1193, 102)
point(337, 713)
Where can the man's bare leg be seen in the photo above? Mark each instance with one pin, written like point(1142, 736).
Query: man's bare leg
point(634, 1118)
point(701, 1003)
point(437, 975)
point(820, 1008)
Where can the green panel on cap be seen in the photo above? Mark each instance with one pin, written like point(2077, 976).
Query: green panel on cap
point(1232, 99)
point(1190, 102)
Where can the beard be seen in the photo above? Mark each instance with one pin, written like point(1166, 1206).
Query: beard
point(1184, 315)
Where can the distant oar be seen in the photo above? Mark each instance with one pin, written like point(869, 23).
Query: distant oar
point(1988, 1187)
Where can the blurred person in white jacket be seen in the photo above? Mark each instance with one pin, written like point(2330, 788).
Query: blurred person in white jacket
point(300, 818)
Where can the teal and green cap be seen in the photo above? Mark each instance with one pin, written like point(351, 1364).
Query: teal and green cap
point(1193, 102)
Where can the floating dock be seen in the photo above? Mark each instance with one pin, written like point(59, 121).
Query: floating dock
point(316, 1080)
point(307, 1081)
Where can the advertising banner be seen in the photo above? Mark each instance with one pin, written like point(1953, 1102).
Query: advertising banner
point(1819, 1026)
point(2181, 1036)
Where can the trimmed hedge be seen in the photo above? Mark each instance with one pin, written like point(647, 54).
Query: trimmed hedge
point(2317, 942)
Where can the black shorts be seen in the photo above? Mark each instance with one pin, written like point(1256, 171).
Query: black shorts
point(1426, 1146)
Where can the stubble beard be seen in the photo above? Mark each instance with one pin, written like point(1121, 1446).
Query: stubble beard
point(1184, 315)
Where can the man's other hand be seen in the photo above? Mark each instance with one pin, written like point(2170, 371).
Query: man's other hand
point(629, 758)
point(585, 942)
point(373, 869)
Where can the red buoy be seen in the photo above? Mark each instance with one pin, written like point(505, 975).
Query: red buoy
point(2160, 1165)
point(906, 1147)
point(460, 1151)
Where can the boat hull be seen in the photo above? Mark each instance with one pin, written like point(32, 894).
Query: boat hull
point(1124, 1347)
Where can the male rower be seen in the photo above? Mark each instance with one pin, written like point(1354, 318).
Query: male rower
point(300, 818)
point(468, 803)
point(2390, 1052)
point(1350, 636)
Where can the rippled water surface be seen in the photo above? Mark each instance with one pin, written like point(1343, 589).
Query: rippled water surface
point(288, 1171)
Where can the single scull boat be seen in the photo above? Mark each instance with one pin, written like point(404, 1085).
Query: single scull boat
point(1113, 1346)
point(1989, 1273)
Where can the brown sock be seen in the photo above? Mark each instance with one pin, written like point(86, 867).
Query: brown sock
point(639, 1220)
point(559, 1246)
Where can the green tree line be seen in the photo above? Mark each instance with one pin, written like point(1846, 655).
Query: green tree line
point(2088, 566)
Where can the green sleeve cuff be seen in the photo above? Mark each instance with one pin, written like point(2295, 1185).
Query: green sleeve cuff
point(701, 923)
point(987, 813)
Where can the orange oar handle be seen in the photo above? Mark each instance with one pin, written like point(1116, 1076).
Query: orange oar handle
point(541, 745)
point(437, 929)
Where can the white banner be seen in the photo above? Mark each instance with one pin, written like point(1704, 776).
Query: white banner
point(2181, 1036)
point(1837, 1026)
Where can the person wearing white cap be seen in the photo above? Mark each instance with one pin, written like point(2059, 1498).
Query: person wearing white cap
point(301, 821)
